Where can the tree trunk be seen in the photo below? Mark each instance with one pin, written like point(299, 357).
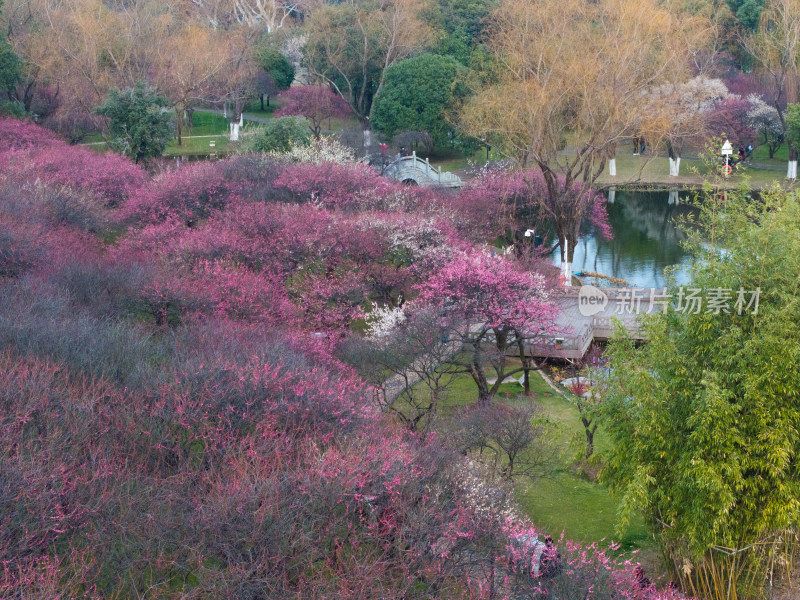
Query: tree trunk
point(367, 140)
point(262, 102)
point(791, 170)
point(526, 364)
point(501, 344)
point(235, 132)
point(590, 431)
point(567, 253)
point(476, 370)
point(674, 160)
point(612, 160)
point(675, 166)
point(178, 124)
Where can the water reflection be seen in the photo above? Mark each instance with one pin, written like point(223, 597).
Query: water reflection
point(645, 239)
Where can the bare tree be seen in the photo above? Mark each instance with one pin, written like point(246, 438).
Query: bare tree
point(412, 368)
point(517, 438)
point(350, 45)
point(262, 15)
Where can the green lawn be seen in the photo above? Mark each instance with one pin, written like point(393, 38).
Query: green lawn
point(93, 138)
point(761, 155)
point(197, 146)
point(655, 170)
point(210, 126)
point(207, 123)
point(568, 501)
point(454, 161)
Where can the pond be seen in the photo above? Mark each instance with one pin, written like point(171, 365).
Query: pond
point(645, 240)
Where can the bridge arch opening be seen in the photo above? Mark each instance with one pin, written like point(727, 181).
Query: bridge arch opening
point(410, 181)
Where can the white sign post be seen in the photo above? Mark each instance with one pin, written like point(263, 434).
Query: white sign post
point(727, 150)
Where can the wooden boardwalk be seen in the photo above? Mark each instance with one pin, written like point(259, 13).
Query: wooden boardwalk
point(577, 331)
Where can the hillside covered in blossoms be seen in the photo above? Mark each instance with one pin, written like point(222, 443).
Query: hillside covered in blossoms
point(177, 420)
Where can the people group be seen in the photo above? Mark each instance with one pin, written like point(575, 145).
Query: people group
point(743, 155)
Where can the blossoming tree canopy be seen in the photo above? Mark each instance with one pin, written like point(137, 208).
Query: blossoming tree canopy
point(488, 302)
point(490, 291)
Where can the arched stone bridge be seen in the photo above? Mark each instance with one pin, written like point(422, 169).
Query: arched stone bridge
point(410, 169)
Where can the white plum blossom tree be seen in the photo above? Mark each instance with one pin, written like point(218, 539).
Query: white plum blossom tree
point(382, 321)
point(766, 120)
point(323, 150)
point(690, 103)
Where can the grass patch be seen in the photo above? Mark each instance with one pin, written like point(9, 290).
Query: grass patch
point(568, 501)
point(93, 138)
point(207, 123)
point(197, 146)
point(761, 155)
point(454, 161)
point(655, 170)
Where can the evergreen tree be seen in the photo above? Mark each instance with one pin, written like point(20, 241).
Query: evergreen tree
point(139, 122)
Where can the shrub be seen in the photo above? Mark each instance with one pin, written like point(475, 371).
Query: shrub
point(189, 194)
point(37, 323)
point(279, 135)
point(22, 135)
point(109, 177)
point(335, 185)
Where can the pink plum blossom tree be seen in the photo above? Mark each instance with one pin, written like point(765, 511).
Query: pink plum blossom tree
point(317, 103)
point(490, 306)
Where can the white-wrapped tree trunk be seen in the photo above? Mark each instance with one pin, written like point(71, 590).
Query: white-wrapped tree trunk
point(612, 167)
point(367, 140)
point(675, 166)
point(566, 265)
point(566, 273)
point(234, 132)
point(791, 170)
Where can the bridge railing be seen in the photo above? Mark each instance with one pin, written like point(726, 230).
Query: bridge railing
point(408, 164)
